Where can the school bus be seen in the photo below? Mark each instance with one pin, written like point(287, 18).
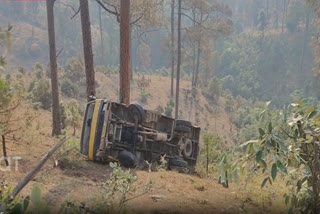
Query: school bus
point(131, 135)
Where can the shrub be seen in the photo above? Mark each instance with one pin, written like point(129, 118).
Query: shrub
point(169, 108)
point(41, 93)
point(144, 96)
point(159, 109)
point(210, 154)
point(68, 88)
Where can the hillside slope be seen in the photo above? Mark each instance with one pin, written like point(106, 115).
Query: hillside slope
point(210, 117)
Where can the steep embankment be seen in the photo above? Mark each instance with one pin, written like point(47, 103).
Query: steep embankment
point(210, 117)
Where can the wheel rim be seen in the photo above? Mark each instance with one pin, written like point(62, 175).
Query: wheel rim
point(187, 148)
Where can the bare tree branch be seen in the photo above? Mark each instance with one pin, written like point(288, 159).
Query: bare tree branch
point(76, 13)
point(135, 21)
point(115, 12)
point(59, 52)
point(72, 8)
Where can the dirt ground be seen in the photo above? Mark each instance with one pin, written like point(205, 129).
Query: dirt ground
point(78, 180)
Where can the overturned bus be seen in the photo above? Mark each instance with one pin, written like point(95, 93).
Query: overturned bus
point(131, 135)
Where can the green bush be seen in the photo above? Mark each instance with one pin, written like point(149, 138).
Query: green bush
point(159, 109)
point(144, 96)
point(40, 94)
point(69, 89)
point(211, 154)
point(169, 108)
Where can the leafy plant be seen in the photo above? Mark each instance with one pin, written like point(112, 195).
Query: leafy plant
point(41, 94)
point(287, 145)
point(169, 108)
point(122, 183)
point(34, 202)
point(68, 88)
point(210, 154)
point(144, 96)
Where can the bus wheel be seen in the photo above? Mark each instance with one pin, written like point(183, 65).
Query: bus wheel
point(187, 151)
point(127, 159)
point(136, 111)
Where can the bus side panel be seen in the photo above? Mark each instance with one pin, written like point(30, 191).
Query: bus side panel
point(93, 129)
point(85, 134)
point(99, 129)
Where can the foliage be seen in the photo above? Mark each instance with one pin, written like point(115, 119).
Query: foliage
point(144, 96)
point(159, 109)
point(69, 89)
point(122, 183)
point(169, 108)
point(73, 115)
point(74, 70)
point(244, 66)
point(287, 145)
point(210, 154)
point(40, 94)
point(34, 202)
point(214, 89)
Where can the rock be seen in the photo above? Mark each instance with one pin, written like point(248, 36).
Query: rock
point(157, 198)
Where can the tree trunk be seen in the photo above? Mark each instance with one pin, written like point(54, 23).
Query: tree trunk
point(198, 63)
point(56, 120)
point(198, 54)
point(194, 51)
point(4, 149)
point(283, 15)
point(277, 14)
point(22, 183)
point(178, 61)
point(305, 38)
point(172, 46)
point(125, 52)
point(87, 48)
point(101, 36)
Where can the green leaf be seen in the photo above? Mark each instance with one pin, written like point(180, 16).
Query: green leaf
point(17, 209)
point(249, 149)
point(282, 167)
point(299, 185)
point(261, 132)
point(270, 127)
point(311, 115)
point(26, 202)
point(10, 27)
point(274, 170)
point(259, 156)
point(264, 181)
point(286, 199)
point(36, 195)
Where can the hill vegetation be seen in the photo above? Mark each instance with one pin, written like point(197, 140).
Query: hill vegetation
point(249, 77)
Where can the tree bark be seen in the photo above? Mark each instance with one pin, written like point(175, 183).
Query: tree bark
point(56, 120)
point(125, 51)
point(178, 61)
point(87, 48)
point(172, 46)
point(198, 63)
point(101, 35)
point(4, 148)
point(305, 37)
point(34, 171)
